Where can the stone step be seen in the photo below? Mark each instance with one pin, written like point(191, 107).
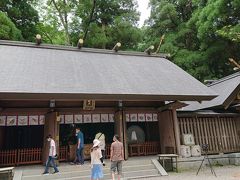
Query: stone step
point(37, 169)
point(72, 176)
point(86, 169)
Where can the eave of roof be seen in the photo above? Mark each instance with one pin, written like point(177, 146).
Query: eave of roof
point(227, 88)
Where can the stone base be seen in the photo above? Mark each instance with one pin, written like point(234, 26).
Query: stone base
point(216, 160)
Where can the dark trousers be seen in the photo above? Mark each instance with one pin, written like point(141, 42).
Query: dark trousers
point(80, 157)
point(50, 161)
point(103, 154)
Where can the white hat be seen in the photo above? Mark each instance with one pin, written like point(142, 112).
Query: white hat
point(96, 142)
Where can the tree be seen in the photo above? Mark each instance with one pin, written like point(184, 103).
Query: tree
point(8, 30)
point(230, 32)
point(106, 22)
point(23, 15)
point(192, 34)
point(63, 9)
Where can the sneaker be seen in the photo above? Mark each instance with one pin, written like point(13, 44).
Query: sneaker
point(45, 173)
point(55, 172)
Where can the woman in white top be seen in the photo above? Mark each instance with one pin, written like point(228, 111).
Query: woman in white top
point(96, 161)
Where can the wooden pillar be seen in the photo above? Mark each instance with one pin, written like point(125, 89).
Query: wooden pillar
point(120, 127)
point(51, 126)
point(176, 131)
point(2, 136)
point(166, 132)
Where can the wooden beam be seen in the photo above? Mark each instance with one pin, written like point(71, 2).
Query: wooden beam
point(176, 131)
point(120, 127)
point(172, 105)
point(51, 126)
point(234, 63)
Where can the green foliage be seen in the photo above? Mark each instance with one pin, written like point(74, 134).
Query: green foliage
point(230, 32)
point(200, 35)
point(113, 21)
point(23, 15)
point(8, 30)
point(51, 34)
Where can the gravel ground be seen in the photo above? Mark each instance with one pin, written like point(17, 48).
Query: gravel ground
point(223, 173)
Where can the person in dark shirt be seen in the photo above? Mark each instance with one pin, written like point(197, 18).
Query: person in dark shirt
point(80, 146)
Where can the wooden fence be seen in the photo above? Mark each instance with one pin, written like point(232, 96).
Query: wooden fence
point(27, 156)
point(34, 155)
point(8, 157)
point(63, 153)
point(147, 148)
point(219, 132)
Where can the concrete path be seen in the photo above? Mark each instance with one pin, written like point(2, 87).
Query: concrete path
point(223, 173)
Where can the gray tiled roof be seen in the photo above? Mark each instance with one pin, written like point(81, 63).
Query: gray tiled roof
point(224, 87)
point(27, 68)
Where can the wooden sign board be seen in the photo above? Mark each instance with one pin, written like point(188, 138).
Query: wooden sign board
point(88, 105)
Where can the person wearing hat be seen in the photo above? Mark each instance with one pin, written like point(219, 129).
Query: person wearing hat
point(96, 161)
point(101, 137)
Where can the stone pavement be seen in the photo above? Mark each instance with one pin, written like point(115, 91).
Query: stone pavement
point(223, 173)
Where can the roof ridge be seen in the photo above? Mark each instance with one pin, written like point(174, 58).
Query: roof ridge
point(231, 76)
point(83, 49)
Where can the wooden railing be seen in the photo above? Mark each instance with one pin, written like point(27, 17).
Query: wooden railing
point(63, 153)
point(144, 149)
point(108, 147)
point(27, 156)
point(8, 157)
point(219, 132)
point(34, 155)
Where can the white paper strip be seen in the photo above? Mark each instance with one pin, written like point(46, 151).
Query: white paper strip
point(3, 120)
point(104, 118)
point(155, 117)
point(11, 120)
point(133, 117)
point(127, 118)
point(33, 120)
point(22, 120)
point(141, 118)
point(69, 119)
point(62, 119)
point(96, 118)
point(41, 120)
point(78, 118)
point(87, 118)
point(149, 117)
point(111, 117)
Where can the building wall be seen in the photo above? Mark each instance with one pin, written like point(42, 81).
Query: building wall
point(222, 133)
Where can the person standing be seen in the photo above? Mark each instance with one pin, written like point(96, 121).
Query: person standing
point(80, 146)
point(51, 156)
point(116, 157)
point(96, 161)
point(101, 137)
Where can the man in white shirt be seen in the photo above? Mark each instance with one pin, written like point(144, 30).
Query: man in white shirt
point(51, 156)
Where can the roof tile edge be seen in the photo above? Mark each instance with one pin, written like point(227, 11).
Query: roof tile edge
point(231, 76)
point(72, 48)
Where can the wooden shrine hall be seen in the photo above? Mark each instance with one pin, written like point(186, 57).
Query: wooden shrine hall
point(47, 89)
point(215, 122)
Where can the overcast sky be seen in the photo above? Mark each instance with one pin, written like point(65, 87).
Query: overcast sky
point(144, 10)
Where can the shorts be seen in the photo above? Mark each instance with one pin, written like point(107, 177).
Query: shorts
point(116, 165)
